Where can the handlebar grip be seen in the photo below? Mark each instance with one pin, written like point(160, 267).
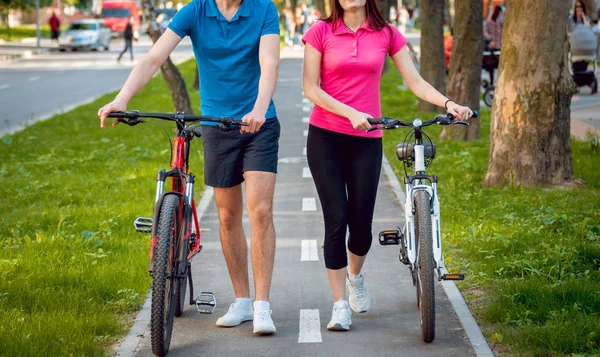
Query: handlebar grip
point(475, 115)
point(118, 115)
point(376, 121)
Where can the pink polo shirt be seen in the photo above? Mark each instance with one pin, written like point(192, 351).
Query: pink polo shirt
point(351, 67)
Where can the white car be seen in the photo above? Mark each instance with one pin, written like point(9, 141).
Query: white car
point(92, 34)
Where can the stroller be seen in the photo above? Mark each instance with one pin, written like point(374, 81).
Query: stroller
point(584, 47)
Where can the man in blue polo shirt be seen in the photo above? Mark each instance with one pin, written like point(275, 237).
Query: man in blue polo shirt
point(236, 44)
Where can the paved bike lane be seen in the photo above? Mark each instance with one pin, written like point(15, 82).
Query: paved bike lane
point(300, 294)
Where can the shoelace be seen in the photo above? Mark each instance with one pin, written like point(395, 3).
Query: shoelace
point(262, 315)
point(340, 313)
point(359, 291)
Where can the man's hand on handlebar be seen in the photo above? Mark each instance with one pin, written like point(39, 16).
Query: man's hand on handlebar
point(460, 112)
point(114, 106)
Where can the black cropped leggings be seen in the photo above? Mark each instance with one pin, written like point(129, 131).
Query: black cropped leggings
point(346, 172)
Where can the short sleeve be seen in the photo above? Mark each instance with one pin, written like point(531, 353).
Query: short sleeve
point(183, 20)
point(397, 41)
point(314, 36)
point(271, 24)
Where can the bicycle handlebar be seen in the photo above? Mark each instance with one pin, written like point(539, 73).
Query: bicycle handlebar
point(391, 123)
point(132, 118)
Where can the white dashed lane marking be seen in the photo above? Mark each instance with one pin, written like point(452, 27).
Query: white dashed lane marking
point(310, 327)
point(309, 251)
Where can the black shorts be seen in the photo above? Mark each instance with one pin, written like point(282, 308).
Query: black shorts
point(227, 155)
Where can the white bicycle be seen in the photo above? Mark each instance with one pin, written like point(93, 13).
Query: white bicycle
point(420, 240)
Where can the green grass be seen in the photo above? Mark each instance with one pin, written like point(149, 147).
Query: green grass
point(20, 32)
point(531, 255)
point(72, 269)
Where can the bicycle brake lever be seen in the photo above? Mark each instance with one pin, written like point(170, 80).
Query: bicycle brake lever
point(130, 122)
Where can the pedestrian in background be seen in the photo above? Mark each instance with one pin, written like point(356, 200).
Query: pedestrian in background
point(343, 62)
point(54, 23)
point(289, 26)
point(299, 19)
point(402, 19)
point(128, 36)
point(411, 17)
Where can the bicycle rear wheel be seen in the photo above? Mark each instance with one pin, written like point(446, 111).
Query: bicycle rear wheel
point(426, 266)
point(163, 275)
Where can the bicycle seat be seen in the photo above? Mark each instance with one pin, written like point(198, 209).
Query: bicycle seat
point(407, 150)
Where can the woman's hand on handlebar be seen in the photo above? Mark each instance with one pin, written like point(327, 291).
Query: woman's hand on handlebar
point(114, 106)
point(360, 120)
point(460, 112)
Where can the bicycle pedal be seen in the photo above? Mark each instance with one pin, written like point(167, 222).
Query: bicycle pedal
point(143, 224)
point(390, 237)
point(206, 302)
point(453, 277)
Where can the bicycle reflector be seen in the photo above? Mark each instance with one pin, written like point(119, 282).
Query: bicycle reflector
point(453, 277)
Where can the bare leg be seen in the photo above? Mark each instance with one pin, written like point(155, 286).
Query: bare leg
point(337, 279)
point(259, 200)
point(356, 262)
point(233, 240)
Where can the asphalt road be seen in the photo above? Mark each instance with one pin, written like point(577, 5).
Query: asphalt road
point(36, 88)
point(390, 328)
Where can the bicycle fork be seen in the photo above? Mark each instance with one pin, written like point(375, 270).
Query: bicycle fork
point(406, 237)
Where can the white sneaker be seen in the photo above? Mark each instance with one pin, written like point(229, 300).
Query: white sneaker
point(238, 312)
point(360, 300)
point(263, 324)
point(341, 317)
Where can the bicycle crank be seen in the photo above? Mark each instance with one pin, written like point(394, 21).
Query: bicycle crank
point(206, 302)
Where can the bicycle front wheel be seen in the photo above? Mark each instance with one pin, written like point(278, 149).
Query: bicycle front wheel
point(163, 275)
point(426, 266)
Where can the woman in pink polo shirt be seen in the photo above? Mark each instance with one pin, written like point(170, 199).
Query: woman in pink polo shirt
point(343, 62)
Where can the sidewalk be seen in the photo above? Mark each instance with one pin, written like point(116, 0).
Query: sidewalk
point(25, 48)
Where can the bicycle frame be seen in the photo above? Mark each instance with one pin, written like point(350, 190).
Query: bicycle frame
point(413, 184)
point(182, 184)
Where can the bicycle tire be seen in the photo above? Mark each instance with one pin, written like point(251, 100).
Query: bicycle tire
point(488, 96)
point(426, 266)
point(164, 264)
point(180, 289)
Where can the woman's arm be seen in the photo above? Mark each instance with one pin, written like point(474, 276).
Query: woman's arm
point(312, 91)
point(424, 90)
point(141, 74)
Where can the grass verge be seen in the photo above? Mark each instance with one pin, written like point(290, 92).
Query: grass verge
point(72, 268)
point(18, 33)
point(531, 255)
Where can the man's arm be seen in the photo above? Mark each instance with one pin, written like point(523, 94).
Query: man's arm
point(268, 55)
point(141, 74)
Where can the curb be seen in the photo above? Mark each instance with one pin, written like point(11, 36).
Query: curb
point(139, 330)
point(480, 346)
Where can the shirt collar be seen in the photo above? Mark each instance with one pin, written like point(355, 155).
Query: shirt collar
point(341, 27)
point(213, 11)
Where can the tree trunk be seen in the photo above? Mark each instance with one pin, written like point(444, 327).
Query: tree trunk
point(179, 93)
point(196, 84)
point(451, 14)
point(591, 9)
point(465, 66)
point(433, 67)
point(530, 129)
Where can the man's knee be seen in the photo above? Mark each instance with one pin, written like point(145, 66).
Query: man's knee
point(261, 214)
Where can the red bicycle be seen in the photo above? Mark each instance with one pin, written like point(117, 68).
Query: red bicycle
point(174, 240)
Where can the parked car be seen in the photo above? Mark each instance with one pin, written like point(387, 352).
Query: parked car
point(86, 34)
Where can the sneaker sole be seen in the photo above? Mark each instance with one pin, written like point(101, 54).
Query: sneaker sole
point(264, 332)
point(358, 310)
point(225, 325)
point(338, 327)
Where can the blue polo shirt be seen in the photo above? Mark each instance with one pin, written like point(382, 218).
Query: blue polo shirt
point(227, 53)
